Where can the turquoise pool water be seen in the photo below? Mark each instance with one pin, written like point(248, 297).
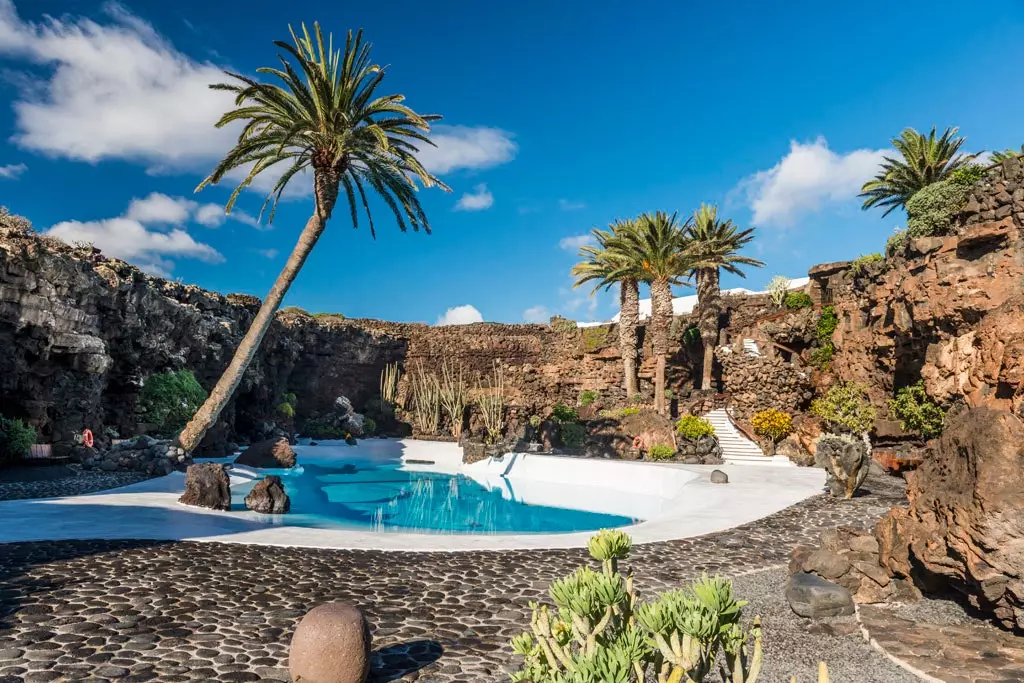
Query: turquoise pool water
point(382, 497)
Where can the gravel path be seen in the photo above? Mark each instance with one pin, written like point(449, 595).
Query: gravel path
point(143, 610)
point(40, 482)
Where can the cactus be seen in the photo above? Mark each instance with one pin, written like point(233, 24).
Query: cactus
point(389, 378)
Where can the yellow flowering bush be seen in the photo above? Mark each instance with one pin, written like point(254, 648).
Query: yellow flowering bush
point(774, 424)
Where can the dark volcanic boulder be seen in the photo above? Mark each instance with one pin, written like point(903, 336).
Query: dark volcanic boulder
point(269, 454)
point(268, 497)
point(813, 597)
point(846, 459)
point(964, 528)
point(207, 485)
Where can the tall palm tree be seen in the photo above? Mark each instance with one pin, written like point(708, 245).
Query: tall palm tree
point(657, 243)
point(320, 113)
point(1007, 154)
point(713, 244)
point(608, 263)
point(926, 160)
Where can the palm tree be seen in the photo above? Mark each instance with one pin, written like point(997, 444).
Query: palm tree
point(606, 262)
point(1007, 154)
point(657, 245)
point(926, 160)
point(712, 245)
point(325, 117)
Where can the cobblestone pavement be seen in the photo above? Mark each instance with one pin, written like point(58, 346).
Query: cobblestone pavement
point(957, 650)
point(76, 484)
point(156, 611)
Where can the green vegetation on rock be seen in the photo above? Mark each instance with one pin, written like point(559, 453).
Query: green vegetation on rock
point(917, 412)
point(16, 439)
point(859, 264)
point(594, 338)
point(796, 300)
point(693, 427)
point(930, 212)
point(170, 399)
point(562, 325)
point(661, 452)
point(618, 413)
point(845, 408)
point(563, 413)
point(574, 435)
point(588, 396)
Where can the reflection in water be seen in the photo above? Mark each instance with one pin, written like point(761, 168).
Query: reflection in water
point(384, 498)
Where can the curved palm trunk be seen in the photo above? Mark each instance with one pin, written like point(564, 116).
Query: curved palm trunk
point(206, 416)
point(661, 318)
point(709, 304)
point(629, 317)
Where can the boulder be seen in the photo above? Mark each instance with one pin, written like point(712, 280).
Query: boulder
point(847, 460)
point(813, 597)
point(964, 528)
point(331, 645)
point(719, 477)
point(268, 497)
point(269, 454)
point(207, 485)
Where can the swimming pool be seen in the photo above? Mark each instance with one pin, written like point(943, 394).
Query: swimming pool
point(360, 493)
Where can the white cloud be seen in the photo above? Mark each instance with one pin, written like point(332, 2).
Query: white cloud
point(12, 171)
point(160, 208)
point(117, 90)
point(478, 200)
point(466, 147)
point(129, 239)
point(210, 215)
point(536, 314)
point(268, 253)
point(806, 179)
point(575, 242)
point(460, 315)
point(567, 205)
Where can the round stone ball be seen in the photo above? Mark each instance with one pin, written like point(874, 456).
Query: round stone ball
point(331, 645)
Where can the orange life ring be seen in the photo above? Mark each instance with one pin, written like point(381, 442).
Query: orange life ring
point(638, 442)
point(87, 438)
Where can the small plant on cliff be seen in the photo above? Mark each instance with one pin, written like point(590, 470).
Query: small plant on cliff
point(795, 300)
point(286, 409)
point(16, 439)
point(778, 288)
point(491, 401)
point(661, 452)
point(13, 221)
point(860, 264)
point(588, 396)
point(594, 338)
point(618, 413)
point(454, 397)
point(535, 421)
point(691, 337)
point(170, 399)
point(562, 325)
point(827, 323)
point(917, 412)
point(599, 631)
point(845, 408)
point(564, 414)
point(897, 242)
point(772, 423)
point(693, 427)
point(574, 435)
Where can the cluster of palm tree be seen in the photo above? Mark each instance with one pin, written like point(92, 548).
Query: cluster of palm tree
point(923, 160)
point(661, 250)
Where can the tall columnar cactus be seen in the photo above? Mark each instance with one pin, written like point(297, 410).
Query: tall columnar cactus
point(847, 460)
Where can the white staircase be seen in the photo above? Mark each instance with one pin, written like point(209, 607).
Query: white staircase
point(750, 348)
point(737, 448)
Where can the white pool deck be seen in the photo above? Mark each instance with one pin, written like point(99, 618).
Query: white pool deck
point(677, 501)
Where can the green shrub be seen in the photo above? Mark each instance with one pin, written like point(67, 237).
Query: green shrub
point(574, 435)
point(618, 413)
point(968, 175)
point(328, 316)
point(16, 439)
point(562, 325)
point(563, 413)
point(588, 396)
point(828, 321)
point(369, 426)
point(796, 300)
point(860, 263)
point(661, 452)
point(691, 337)
point(295, 310)
point(599, 631)
point(317, 427)
point(774, 424)
point(821, 357)
point(917, 412)
point(931, 210)
point(535, 421)
point(845, 407)
point(897, 242)
point(286, 409)
point(170, 399)
point(693, 427)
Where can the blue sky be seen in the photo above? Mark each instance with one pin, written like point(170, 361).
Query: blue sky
point(559, 117)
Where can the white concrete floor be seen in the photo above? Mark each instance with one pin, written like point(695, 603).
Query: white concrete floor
point(149, 510)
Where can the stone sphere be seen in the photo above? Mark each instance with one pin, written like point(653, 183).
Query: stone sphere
point(331, 645)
